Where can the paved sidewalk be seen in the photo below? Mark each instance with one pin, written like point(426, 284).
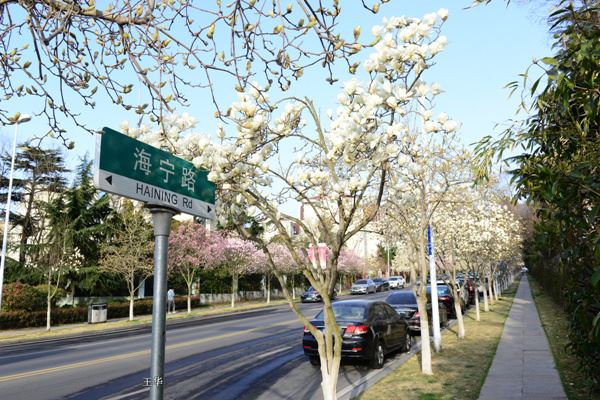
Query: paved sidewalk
point(523, 367)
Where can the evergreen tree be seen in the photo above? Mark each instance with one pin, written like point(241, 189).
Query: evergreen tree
point(39, 173)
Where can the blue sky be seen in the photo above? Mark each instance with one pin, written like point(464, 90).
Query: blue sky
point(488, 47)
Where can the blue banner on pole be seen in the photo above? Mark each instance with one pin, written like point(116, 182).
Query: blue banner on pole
point(429, 241)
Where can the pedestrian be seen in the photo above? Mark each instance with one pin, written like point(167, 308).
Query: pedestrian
point(171, 301)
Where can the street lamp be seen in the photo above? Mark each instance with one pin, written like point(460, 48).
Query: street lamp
point(21, 119)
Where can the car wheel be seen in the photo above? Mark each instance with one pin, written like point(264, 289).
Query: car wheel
point(407, 342)
point(378, 356)
point(314, 361)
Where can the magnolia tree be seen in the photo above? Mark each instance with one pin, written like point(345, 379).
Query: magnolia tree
point(430, 166)
point(342, 162)
point(62, 261)
point(451, 222)
point(190, 251)
point(128, 252)
point(486, 232)
point(60, 56)
point(283, 263)
point(349, 264)
point(236, 257)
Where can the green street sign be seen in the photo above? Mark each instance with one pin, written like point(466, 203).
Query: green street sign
point(134, 169)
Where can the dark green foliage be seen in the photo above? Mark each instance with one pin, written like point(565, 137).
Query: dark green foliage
point(559, 174)
point(84, 213)
point(39, 173)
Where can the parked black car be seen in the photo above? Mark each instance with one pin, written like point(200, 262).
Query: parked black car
point(370, 330)
point(405, 304)
point(312, 295)
point(381, 284)
point(445, 297)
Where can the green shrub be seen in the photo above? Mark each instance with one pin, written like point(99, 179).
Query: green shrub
point(29, 319)
point(21, 296)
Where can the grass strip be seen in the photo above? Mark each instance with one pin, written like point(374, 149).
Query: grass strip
point(19, 335)
point(556, 325)
point(459, 370)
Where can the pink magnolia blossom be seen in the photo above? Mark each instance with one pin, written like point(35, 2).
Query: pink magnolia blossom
point(349, 262)
point(189, 247)
point(235, 255)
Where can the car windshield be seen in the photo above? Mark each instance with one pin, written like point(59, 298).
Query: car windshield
point(360, 282)
point(393, 278)
point(347, 312)
point(440, 290)
point(401, 298)
point(377, 280)
point(311, 289)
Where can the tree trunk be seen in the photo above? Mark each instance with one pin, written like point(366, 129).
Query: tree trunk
point(234, 288)
point(293, 287)
point(131, 305)
point(477, 313)
point(486, 306)
point(489, 290)
point(268, 288)
point(495, 290)
point(330, 352)
point(425, 341)
point(48, 310)
point(189, 296)
point(49, 302)
point(458, 311)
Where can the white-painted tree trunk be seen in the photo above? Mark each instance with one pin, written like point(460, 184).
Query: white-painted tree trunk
point(489, 290)
point(48, 311)
point(234, 289)
point(495, 290)
point(486, 306)
point(330, 352)
point(477, 312)
point(459, 316)
point(268, 288)
point(426, 367)
point(131, 306)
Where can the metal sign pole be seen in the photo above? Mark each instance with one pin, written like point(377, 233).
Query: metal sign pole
point(161, 219)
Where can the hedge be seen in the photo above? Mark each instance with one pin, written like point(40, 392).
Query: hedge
point(69, 315)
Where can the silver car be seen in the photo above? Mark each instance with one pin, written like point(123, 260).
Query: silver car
point(364, 286)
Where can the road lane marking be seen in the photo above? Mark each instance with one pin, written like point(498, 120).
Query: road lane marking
point(120, 357)
point(270, 353)
point(126, 395)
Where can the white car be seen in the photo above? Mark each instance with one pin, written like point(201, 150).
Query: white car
point(396, 282)
point(364, 286)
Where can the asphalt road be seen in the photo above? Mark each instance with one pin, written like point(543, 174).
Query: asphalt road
point(255, 355)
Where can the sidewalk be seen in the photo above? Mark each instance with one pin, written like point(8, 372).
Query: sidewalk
point(523, 367)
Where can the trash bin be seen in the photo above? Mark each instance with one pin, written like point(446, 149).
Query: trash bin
point(97, 313)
